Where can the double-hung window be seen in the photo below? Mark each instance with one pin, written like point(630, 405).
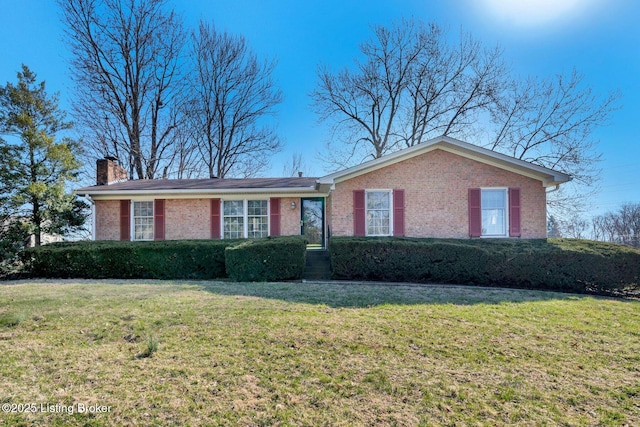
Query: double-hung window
point(143, 220)
point(378, 214)
point(257, 218)
point(494, 212)
point(245, 218)
point(233, 212)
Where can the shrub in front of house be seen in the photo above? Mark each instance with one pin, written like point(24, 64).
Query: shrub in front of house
point(179, 259)
point(556, 264)
point(406, 260)
point(268, 259)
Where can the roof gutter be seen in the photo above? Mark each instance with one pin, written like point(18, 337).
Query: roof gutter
point(116, 192)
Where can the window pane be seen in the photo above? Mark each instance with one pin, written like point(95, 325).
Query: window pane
point(143, 220)
point(257, 218)
point(233, 212)
point(143, 228)
point(378, 200)
point(493, 199)
point(494, 212)
point(233, 227)
point(378, 223)
point(233, 208)
point(257, 207)
point(493, 222)
point(258, 227)
point(142, 208)
point(378, 213)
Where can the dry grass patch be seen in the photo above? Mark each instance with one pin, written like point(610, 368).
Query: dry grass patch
point(309, 354)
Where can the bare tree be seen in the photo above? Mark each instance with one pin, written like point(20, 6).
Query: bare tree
point(231, 97)
point(295, 167)
point(366, 102)
point(619, 227)
point(126, 66)
point(412, 86)
point(574, 227)
point(603, 227)
point(550, 123)
point(451, 87)
point(185, 160)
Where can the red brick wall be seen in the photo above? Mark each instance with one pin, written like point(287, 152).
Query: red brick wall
point(436, 189)
point(186, 218)
point(107, 219)
point(289, 218)
point(108, 171)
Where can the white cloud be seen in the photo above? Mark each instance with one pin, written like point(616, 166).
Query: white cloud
point(534, 13)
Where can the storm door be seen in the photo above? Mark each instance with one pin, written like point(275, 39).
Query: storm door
point(312, 222)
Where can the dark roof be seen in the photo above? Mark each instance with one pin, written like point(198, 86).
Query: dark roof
point(204, 184)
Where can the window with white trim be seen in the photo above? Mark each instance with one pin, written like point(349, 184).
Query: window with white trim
point(245, 218)
point(257, 218)
point(494, 212)
point(143, 220)
point(378, 213)
point(233, 213)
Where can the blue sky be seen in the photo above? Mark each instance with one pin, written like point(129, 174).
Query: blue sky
point(600, 38)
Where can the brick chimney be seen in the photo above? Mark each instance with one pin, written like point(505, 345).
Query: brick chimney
point(108, 171)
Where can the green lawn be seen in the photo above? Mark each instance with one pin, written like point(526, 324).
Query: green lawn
point(220, 353)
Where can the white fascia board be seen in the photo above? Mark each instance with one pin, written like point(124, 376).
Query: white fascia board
point(548, 177)
point(194, 194)
point(373, 165)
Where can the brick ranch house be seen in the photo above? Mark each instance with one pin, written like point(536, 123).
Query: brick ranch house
point(442, 188)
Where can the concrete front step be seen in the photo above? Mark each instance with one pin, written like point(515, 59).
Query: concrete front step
point(318, 266)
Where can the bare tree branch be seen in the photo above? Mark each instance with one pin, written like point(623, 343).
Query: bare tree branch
point(550, 123)
point(231, 96)
point(414, 85)
point(622, 226)
point(126, 65)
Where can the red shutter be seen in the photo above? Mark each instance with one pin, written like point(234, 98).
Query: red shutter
point(475, 213)
point(158, 219)
point(274, 220)
point(215, 218)
point(398, 212)
point(359, 223)
point(125, 220)
point(514, 213)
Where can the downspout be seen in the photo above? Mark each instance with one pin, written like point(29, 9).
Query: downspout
point(93, 216)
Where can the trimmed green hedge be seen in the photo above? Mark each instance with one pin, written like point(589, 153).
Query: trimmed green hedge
point(277, 258)
point(269, 259)
point(554, 264)
point(180, 259)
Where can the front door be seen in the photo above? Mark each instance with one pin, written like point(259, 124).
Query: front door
point(312, 222)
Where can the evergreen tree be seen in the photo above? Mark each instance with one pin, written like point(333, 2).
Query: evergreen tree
point(35, 164)
point(553, 227)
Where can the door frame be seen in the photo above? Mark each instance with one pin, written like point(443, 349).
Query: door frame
point(323, 200)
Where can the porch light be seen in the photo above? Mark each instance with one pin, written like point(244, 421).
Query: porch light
point(293, 205)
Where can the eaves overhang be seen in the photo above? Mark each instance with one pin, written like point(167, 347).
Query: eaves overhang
point(104, 194)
